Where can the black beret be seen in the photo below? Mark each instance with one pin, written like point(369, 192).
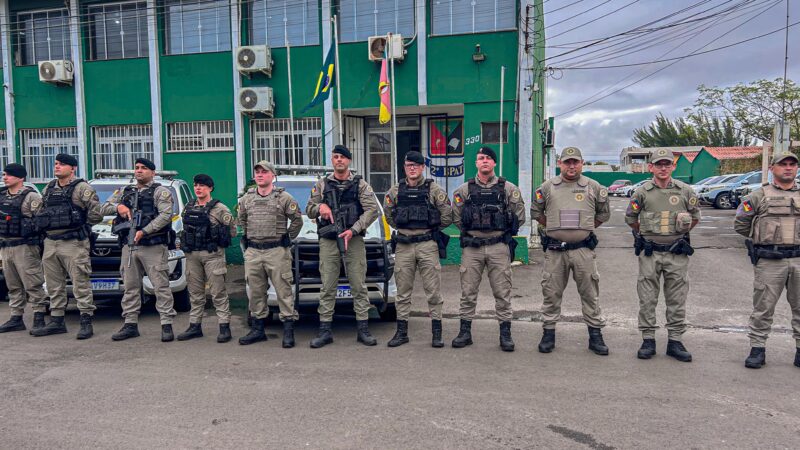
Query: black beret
point(342, 150)
point(488, 152)
point(15, 170)
point(204, 179)
point(146, 162)
point(69, 160)
point(415, 157)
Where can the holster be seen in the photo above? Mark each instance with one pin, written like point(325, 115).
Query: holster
point(441, 241)
point(751, 251)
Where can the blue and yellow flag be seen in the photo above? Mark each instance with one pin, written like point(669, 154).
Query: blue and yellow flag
point(325, 81)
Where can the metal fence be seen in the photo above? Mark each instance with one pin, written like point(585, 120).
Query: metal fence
point(3, 149)
point(118, 146)
point(270, 140)
point(40, 147)
point(203, 136)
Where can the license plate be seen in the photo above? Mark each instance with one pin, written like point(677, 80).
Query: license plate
point(105, 285)
point(343, 292)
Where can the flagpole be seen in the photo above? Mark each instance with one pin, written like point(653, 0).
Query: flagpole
point(338, 80)
point(289, 67)
point(394, 113)
point(500, 126)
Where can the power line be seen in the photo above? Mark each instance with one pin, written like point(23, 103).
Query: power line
point(577, 15)
point(595, 19)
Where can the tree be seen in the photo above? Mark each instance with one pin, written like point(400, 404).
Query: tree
point(697, 129)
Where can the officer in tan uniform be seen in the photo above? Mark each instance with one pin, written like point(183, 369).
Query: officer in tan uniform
point(488, 210)
point(344, 206)
point(146, 210)
point(419, 209)
point(661, 213)
point(69, 208)
point(264, 212)
point(208, 227)
point(19, 249)
point(570, 206)
point(770, 219)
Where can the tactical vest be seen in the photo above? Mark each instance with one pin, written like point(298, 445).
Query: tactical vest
point(485, 209)
point(12, 223)
point(778, 222)
point(266, 220)
point(199, 233)
point(350, 208)
point(663, 206)
point(147, 205)
point(58, 212)
point(413, 210)
point(571, 206)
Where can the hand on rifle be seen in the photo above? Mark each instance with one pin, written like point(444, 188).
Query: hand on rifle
point(139, 235)
point(325, 212)
point(347, 235)
point(124, 211)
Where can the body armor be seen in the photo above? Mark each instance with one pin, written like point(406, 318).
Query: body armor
point(485, 209)
point(781, 223)
point(414, 211)
point(670, 218)
point(199, 233)
point(345, 196)
point(12, 223)
point(576, 207)
point(146, 208)
point(59, 213)
point(266, 220)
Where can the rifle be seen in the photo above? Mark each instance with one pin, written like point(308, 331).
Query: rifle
point(339, 224)
point(131, 225)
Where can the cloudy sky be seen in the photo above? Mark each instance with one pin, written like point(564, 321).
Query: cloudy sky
point(603, 128)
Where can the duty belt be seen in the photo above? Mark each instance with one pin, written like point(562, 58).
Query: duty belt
point(18, 242)
point(283, 242)
point(79, 234)
point(549, 243)
point(470, 241)
point(403, 239)
point(777, 251)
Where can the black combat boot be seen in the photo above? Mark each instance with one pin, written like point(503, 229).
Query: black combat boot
point(464, 337)
point(38, 321)
point(401, 336)
point(195, 330)
point(436, 331)
point(86, 330)
point(224, 333)
point(757, 358)
point(647, 350)
point(678, 351)
point(324, 336)
point(14, 323)
point(548, 342)
point(55, 326)
point(166, 333)
point(363, 335)
point(288, 334)
point(128, 330)
point(596, 343)
point(506, 343)
point(256, 333)
point(797, 357)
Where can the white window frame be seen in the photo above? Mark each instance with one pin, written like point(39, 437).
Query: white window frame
point(114, 146)
point(99, 13)
point(350, 16)
point(445, 7)
point(502, 131)
point(270, 140)
point(65, 44)
point(289, 11)
point(3, 149)
point(40, 147)
point(222, 22)
point(200, 136)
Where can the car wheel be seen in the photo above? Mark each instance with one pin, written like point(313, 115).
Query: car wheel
point(723, 201)
point(389, 313)
point(181, 301)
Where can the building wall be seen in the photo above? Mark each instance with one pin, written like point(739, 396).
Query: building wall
point(683, 170)
point(704, 165)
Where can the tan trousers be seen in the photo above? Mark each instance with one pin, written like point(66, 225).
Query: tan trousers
point(22, 267)
point(770, 278)
point(148, 260)
point(675, 271)
point(262, 267)
point(555, 275)
point(408, 259)
point(207, 267)
point(329, 266)
point(495, 259)
point(62, 257)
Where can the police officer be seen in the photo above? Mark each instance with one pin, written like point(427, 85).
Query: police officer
point(147, 208)
point(264, 212)
point(488, 210)
point(570, 206)
point(419, 209)
point(661, 213)
point(770, 219)
point(19, 249)
point(208, 227)
point(345, 226)
point(69, 208)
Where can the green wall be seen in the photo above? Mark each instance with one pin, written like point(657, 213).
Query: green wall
point(683, 170)
point(704, 165)
point(360, 77)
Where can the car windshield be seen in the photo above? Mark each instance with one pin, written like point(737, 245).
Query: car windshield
point(738, 178)
point(709, 180)
point(105, 190)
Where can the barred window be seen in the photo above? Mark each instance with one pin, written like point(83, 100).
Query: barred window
point(197, 26)
point(3, 149)
point(490, 132)
point(42, 36)
point(472, 16)
point(117, 30)
point(360, 19)
point(270, 140)
point(267, 18)
point(118, 146)
point(203, 136)
point(40, 147)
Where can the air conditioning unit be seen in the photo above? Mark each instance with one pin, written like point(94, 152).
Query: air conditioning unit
point(377, 47)
point(549, 138)
point(254, 100)
point(58, 71)
point(254, 58)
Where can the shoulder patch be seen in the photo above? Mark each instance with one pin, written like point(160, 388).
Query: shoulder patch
point(369, 188)
point(388, 200)
point(35, 203)
point(165, 195)
point(634, 205)
point(441, 197)
point(693, 201)
point(457, 198)
point(293, 206)
point(603, 194)
point(87, 194)
point(314, 190)
point(538, 196)
point(227, 218)
point(516, 195)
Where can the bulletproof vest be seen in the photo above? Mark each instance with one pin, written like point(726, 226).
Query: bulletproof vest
point(146, 206)
point(12, 223)
point(778, 220)
point(660, 214)
point(571, 206)
point(413, 210)
point(266, 219)
point(58, 212)
point(349, 210)
point(485, 209)
point(199, 233)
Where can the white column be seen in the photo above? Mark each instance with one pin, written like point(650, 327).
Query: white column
point(155, 83)
point(526, 122)
point(8, 82)
point(422, 52)
point(327, 116)
point(77, 83)
point(238, 122)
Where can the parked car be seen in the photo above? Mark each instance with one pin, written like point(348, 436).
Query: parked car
point(3, 286)
point(716, 181)
point(617, 185)
point(627, 191)
point(707, 182)
point(721, 196)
